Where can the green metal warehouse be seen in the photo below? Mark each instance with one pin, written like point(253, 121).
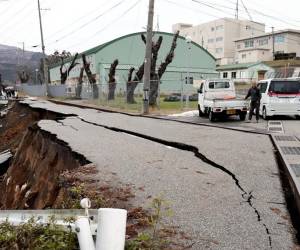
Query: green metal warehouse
point(190, 60)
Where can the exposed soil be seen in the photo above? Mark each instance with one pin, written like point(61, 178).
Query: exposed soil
point(16, 122)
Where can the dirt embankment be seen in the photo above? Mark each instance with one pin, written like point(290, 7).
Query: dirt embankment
point(31, 180)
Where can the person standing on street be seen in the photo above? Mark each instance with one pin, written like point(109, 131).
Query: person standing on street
point(255, 95)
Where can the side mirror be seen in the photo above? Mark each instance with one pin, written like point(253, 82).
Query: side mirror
point(200, 91)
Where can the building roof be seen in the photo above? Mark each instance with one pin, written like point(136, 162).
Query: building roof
point(238, 66)
point(283, 63)
point(102, 46)
point(269, 34)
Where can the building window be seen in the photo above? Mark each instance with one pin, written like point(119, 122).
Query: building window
point(233, 75)
point(263, 41)
point(244, 56)
point(243, 74)
point(279, 39)
point(219, 39)
point(211, 40)
point(219, 50)
point(248, 27)
point(225, 74)
point(249, 43)
point(219, 27)
point(212, 29)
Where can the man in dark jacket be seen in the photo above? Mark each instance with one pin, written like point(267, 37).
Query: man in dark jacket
point(255, 95)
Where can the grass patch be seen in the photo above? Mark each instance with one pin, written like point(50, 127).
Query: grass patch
point(164, 107)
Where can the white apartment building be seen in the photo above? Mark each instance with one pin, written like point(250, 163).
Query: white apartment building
point(219, 36)
point(260, 48)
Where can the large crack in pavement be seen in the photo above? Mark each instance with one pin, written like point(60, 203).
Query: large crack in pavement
point(246, 196)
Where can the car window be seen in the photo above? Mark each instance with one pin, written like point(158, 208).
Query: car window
point(219, 85)
point(285, 87)
point(263, 87)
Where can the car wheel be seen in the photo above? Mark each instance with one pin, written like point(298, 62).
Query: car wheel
point(265, 114)
point(211, 116)
point(201, 114)
point(242, 116)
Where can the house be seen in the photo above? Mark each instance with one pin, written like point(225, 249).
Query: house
point(283, 44)
point(245, 72)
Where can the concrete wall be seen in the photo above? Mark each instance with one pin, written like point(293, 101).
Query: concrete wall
point(40, 90)
point(33, 90)
point(57, 91)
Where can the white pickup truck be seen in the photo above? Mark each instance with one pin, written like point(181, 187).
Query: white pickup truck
point(217, 98)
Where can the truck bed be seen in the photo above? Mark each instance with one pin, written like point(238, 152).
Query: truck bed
point(225, 103)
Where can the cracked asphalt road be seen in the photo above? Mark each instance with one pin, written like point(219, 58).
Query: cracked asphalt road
point(208, 203)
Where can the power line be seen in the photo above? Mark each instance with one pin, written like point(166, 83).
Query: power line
point(87, 23)
point(263, 31)
point(109, 24)
point(96, 9)
point(16, 14)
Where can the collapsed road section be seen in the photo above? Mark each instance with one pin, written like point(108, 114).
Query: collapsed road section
point(227, 197)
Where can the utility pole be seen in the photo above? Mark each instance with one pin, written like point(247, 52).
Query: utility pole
point(273, 42)
point(237, 10)
point(43, 49)
point(147, 66)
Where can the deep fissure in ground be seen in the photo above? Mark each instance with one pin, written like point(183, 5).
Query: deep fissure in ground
point(28, 119)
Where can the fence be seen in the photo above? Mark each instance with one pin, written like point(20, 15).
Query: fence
point(171, 95)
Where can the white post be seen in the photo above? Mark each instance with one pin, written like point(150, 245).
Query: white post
point(111, 230)
point(84, 234)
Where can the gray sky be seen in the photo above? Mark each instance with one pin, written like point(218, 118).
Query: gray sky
point(77, 25)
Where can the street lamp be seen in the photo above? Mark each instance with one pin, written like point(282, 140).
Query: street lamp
point(188, 40)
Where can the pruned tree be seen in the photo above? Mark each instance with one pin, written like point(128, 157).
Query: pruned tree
point(90, 76)
point(64, 73)
point(79, 85)
point(112, 80)
point(132, 84)
point(155, 75)
point(23, 76)
point(57, 56)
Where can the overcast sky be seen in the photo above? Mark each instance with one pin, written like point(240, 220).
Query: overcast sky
point(77, 25)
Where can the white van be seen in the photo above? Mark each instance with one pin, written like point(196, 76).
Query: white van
point(279, 97)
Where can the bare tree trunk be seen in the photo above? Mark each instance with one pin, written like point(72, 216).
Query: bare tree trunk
point(131, 85)
point(169, 58)
point(64, 74)
point(79, 85)
point(91, 77)
point(153, 90)
point(112, 80)
point(23, 76)
point(155, 77)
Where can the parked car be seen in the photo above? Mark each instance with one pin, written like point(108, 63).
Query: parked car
point(217, 98)
point(279, 97)
point(172, 98)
